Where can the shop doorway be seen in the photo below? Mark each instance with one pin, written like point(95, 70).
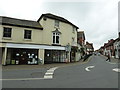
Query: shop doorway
point(48, 56)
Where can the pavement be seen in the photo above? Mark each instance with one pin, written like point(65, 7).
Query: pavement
point(47, 66)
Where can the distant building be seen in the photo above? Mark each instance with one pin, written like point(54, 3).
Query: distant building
point(89, 48)
point(81, 42)
point(81, 38)
point(117, 47)
point(109, 48)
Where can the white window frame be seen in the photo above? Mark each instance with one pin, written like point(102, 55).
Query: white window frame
point(55, 34)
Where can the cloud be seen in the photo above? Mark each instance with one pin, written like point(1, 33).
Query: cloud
point(98, 18)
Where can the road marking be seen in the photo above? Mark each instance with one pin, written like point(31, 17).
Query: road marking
point(111, 62)
point(16, 79)
point(87, 68)
point(49, 73)
point(116, 69)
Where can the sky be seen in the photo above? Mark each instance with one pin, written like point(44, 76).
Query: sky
point(97, 18)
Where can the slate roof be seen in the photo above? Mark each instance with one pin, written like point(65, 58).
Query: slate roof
point(89, 45)
point(49, 15)
point(20, 22)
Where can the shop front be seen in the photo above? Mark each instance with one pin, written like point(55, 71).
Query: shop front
point(31, 54)
point(21, 56)
point(55, 56)
point(73, 53)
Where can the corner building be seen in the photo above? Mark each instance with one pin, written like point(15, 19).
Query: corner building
point(48, 40)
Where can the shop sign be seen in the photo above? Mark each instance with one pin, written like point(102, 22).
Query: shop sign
point(68, 48)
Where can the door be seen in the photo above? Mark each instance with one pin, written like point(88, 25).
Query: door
point(48, 56)
point(23, 57)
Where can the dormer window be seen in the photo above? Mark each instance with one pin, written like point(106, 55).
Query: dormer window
point(56, 23)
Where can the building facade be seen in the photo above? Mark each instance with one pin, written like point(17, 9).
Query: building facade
point(117, 47)
point(50, 39)
point(89, 48)
point(59, 32)
point(81, 42)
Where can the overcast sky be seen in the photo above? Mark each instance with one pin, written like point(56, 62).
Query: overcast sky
point(97, 18)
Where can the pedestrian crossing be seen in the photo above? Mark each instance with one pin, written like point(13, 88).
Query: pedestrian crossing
point(49, 73)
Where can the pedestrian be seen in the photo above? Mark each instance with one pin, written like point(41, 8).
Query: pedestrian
point(108, 58)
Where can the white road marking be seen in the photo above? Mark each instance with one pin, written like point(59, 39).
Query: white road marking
point(116, 69)
point(87, 68)
point(112, 63)
point(16, 79)
point(49, 73)
point(48, 77)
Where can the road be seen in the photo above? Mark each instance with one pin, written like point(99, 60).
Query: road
point(97, 73)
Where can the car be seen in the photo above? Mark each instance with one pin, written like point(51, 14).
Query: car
point(98, 54)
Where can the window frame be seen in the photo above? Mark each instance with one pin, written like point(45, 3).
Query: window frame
point(27, 35)
point(54, 38)
point(7, 32)
point(73, 29)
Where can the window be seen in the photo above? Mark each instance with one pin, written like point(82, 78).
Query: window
point(27, 34)
point(56, 38)
point(7, 32)
point(74, 29)
point(44, 18)
point(56, 23)
point(73, 39)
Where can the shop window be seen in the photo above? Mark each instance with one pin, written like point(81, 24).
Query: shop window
point(7, 32)
point(27, 34)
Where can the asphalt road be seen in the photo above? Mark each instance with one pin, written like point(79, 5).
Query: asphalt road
point(100, 75)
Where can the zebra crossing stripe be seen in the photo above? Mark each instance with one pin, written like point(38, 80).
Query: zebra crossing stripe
point(49, 73)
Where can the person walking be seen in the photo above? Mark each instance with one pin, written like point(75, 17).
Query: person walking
point(108, 58)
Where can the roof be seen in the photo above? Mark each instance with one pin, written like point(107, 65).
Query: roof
point(110, 43)
point(89, 45)
point(117, 39)
point(20, 22)
point(49, 15)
